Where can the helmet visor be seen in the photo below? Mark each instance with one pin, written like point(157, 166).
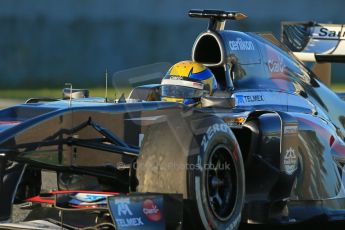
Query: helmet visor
point(178, 91)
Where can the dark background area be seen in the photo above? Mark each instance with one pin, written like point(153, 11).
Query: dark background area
point(45, 43)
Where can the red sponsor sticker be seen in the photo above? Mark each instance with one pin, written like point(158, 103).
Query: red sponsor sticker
point(9, 122)
point(151, 210)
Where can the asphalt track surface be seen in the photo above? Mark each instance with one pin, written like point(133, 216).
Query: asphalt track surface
point(49, 183)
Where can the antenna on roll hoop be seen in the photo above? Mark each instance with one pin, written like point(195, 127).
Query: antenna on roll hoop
point(106, 85)
point(217, 17)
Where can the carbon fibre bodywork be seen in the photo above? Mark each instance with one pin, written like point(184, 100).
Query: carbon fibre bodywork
point(289, 126)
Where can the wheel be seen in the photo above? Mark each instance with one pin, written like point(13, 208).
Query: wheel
point(207, 169)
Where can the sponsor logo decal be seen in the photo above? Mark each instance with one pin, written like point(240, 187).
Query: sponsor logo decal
point(242, 45)
point(211, 131)
point(242, 99)
point(129, 222)
point(124, 211)
point(290, 161)
point(122, 207)
point(176, 77)
point(326, 33)
point(290, 129)
point(276, 66)
point(151, 210)
point(254, 98)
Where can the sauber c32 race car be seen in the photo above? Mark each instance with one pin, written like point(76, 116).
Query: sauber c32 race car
point(267, 147)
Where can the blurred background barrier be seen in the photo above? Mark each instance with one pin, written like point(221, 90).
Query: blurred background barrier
point(45, 43)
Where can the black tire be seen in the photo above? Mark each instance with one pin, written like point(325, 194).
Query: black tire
point(213, 197)
point(219, 188)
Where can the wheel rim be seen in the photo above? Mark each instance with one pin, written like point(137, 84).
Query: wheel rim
point(221, 183)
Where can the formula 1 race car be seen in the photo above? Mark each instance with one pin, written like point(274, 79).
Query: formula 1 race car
point(267, 147)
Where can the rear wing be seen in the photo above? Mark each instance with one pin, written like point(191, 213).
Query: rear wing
point(318, 43)
point(315, 42)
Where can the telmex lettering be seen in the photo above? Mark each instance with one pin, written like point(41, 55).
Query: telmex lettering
point(242, 99)
point(130, 222)
point(240, 44)
point(324, 32)
point(254, 98)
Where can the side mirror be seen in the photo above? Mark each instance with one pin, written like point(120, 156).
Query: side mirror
point(146, 93)
point(75, 94)
point(218, 102)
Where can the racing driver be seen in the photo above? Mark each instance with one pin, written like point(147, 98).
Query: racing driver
point(186, 82)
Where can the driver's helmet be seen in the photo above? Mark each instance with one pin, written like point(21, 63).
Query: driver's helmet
point(186, 82)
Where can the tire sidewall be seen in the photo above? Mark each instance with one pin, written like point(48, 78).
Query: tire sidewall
point(218, 134)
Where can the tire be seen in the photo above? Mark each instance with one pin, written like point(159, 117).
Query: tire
point(212, 184)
